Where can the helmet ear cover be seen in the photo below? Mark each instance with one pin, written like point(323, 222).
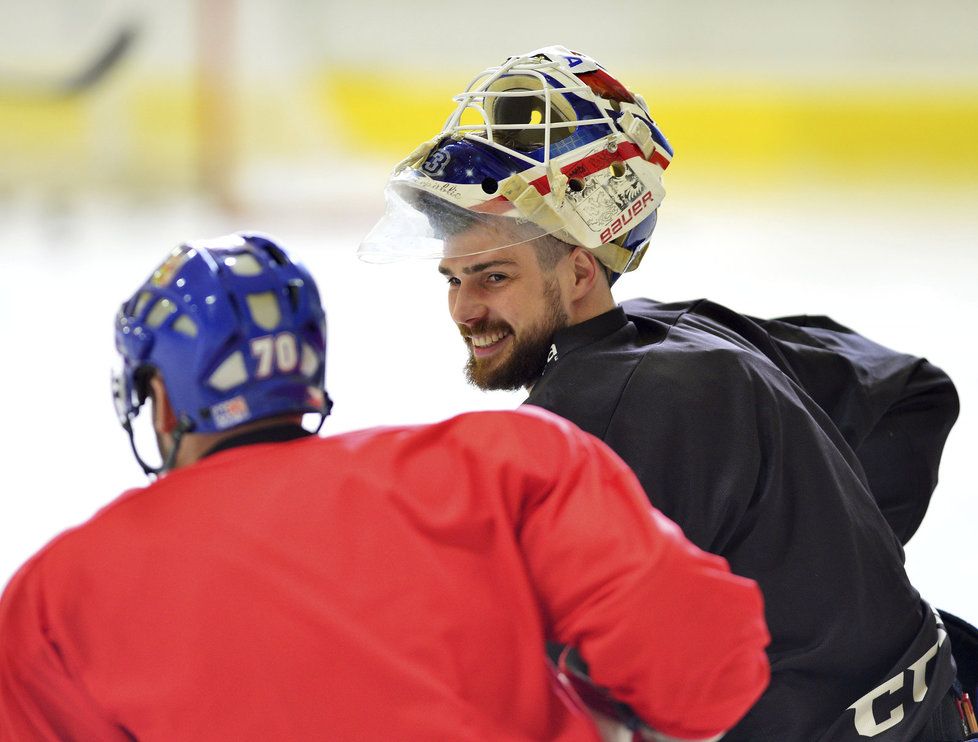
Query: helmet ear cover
point(141, 383)
point(548, 139)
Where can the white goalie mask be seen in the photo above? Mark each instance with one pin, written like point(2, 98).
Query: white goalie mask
point(546, 143)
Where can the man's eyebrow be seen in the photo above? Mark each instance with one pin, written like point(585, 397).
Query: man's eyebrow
point(477, 267)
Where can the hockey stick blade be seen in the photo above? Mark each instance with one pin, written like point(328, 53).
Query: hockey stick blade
point(77, 83)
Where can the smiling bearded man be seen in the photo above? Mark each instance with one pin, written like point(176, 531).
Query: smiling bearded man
point(523, 363)
point(500, 355)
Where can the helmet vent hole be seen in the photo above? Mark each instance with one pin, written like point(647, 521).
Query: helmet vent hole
point(278, 256)
point(576, 185)
point(140, 304)
point(490, 185)
point(185, 326)
point(160, 312)
point(310, 361)
point(294, 288)
point(617, 168)
point(244, 264)
point(231, 373)
point(273, 251)
point(264, 310)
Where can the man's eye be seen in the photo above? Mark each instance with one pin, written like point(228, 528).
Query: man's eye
point(452, 280)
point(496, 277)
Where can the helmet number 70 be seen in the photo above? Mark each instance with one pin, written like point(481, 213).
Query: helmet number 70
point(275, 352)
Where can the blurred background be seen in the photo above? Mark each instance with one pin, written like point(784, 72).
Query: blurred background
point(826, 163)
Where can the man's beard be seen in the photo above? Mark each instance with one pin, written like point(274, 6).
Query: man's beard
point(528, 354)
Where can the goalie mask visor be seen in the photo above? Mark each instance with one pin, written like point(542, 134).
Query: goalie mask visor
point(427, 219)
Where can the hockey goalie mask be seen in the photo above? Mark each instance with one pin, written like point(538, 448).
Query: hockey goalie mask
point(548, 143)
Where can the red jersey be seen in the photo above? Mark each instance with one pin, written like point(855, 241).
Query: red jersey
point(388, 584)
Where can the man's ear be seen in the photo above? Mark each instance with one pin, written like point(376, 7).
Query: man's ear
point(164, 421)
point(586, 272)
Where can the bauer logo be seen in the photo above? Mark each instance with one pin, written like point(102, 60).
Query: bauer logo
point(633, 210)
point(231, 412)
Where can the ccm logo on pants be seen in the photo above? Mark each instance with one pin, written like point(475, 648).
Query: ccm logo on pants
point(865, 720)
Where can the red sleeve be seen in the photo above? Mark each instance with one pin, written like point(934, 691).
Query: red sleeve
point(663, 625)
point(39, 701)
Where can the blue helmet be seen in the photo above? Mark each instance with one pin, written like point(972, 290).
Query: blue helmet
point(236, 329)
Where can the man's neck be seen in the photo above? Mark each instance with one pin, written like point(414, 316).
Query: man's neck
point(595, 303)
point(196, 446)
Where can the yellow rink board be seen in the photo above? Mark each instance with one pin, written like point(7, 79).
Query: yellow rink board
point(760, 130)
point(758, 127)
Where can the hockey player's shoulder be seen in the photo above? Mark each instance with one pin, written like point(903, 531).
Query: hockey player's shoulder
point(644, 306)
point(700, 365)
point(489, 427)
point(528, 418)
point(526, 421)
point(698, 354)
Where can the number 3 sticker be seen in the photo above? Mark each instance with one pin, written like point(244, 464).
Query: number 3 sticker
point(436, 163)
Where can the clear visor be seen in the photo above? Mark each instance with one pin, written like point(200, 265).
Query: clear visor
point(419, 224)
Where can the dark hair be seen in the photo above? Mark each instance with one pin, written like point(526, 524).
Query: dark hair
point(550, 250)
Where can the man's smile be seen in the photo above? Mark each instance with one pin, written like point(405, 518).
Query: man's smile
point(486, 344)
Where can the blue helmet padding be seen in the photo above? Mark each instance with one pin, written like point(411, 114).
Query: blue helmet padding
point(198, 282)
point(637, 240)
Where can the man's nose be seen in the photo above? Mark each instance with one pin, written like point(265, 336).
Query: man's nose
point(466, 306)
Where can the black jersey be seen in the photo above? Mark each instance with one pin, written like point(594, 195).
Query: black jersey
point(767, 441)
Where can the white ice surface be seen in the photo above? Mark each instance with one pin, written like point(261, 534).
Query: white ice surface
point(902, 273)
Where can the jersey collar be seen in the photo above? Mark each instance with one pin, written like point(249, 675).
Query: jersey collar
point(571, 338)
point(274, 434)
